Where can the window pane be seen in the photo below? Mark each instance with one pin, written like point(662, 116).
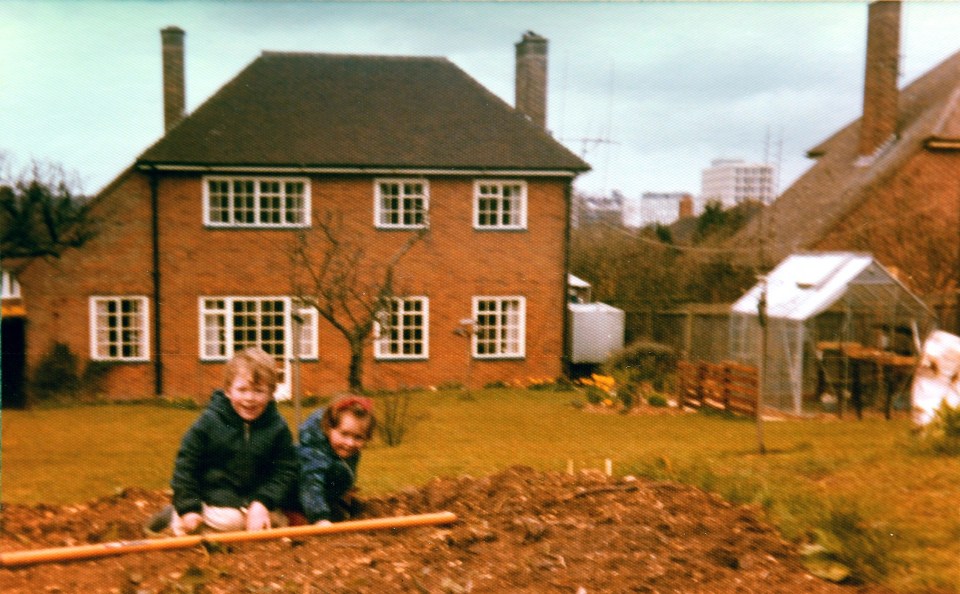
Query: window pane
point(119, 329)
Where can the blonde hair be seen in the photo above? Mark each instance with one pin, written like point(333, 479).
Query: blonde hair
point(261, 366)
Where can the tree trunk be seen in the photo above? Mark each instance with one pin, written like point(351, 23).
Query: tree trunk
point(355, 377)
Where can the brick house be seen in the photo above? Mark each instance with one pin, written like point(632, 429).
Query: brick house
point(887, 183)
point(193, 256)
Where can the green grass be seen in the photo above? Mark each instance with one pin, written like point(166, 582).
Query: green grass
point(895, 507)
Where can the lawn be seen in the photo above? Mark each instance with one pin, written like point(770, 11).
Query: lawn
point(866, 476)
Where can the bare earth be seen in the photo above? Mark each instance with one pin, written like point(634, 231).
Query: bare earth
point(517, 531)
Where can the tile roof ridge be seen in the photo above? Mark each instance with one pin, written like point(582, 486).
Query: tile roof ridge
point(398, 58)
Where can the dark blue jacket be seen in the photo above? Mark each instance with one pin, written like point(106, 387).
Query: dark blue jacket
point(225, 461)
point(325, 478)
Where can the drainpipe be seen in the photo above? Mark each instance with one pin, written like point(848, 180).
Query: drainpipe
point(155, 274)
point(566, 347)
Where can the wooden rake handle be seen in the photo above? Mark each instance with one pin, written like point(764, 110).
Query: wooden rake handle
point(106, 549)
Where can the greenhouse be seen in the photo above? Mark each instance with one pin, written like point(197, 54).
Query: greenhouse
point(841, 330)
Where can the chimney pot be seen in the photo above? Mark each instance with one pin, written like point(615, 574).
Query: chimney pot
point(174, 86)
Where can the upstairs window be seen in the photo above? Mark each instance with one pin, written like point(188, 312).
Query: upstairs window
point(256, 202)
point(499, 327)
point(118, 329)
point(500, 205)
point(402, 330)
point(401, 204)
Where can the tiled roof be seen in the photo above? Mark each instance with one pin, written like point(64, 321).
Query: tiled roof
point(836, 183)
point(329, 111)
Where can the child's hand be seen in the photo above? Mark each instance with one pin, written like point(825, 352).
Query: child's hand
point(258, 517)
point(189, 523)
point(323, 523)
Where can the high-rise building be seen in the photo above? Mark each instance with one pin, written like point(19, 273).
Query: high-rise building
point(662, 208)
point(732, 181)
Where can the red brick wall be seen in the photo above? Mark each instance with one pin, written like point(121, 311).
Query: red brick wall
point(451, 265)
point(56, 292)
point(910, 222)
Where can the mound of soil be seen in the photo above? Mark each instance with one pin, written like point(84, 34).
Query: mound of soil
point(517, 531)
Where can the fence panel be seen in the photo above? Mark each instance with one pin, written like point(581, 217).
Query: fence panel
point(727, 386)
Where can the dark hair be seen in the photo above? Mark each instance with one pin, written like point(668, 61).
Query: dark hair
point(360, 407)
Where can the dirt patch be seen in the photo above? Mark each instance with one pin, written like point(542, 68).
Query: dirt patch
point(517, 531)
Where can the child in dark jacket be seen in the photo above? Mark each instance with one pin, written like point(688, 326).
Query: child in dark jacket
point(237, 461)
point(329, 452)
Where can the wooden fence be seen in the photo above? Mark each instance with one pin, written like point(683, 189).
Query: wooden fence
point(724, 386)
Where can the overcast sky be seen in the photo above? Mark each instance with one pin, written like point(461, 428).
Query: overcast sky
point(666, 87)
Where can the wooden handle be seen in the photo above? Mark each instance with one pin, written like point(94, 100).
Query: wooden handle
point(16, 558)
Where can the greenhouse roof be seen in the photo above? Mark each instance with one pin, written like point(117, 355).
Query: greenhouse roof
point(806, 284)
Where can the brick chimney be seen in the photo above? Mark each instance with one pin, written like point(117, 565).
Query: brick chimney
point(531, 78)
point(880, 94)
point(174, 87)
point(686, 206)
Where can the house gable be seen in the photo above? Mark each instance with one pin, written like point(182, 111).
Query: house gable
point(816, 206)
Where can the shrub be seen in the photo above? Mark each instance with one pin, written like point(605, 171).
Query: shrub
point(394, 418)
point(643, 361)
point(94, 379)
point(598, 388)
point(658, 400)
point(595, 395)
point(625, 394)
point(942, 434)
point(55, 377)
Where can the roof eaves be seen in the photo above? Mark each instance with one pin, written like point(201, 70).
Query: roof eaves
point(146, 165)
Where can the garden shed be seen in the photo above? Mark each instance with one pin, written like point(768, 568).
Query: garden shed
point(841, 328)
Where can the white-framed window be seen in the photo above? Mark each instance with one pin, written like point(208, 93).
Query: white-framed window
point(119, 329)
point(499, 205)
point(230, 324)
point(403, 330)
point(9, 286)
point(256, 202)
point(499, 329)
point(401, 203)
point(307, 349)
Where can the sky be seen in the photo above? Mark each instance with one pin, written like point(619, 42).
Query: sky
point(648, 93)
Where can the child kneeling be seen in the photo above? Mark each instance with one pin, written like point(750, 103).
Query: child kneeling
point(237, 461)
point(330, 442)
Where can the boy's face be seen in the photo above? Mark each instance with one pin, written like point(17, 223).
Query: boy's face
point(351, 435)
point(248, 399)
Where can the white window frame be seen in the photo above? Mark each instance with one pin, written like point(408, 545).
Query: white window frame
point(509, 336)
point(486, 190)
point(101, 343)
point(382, 212)
point(216, 325)
point(9, 286)
point(387, 346)
point(259, 194)
point(308, 348)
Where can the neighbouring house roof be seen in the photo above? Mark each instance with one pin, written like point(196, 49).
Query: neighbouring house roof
point(804, 285)
point(328, 112)
point(929, 119)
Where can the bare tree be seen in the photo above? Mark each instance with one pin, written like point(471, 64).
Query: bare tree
point(348, 288)
point(42, 212)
